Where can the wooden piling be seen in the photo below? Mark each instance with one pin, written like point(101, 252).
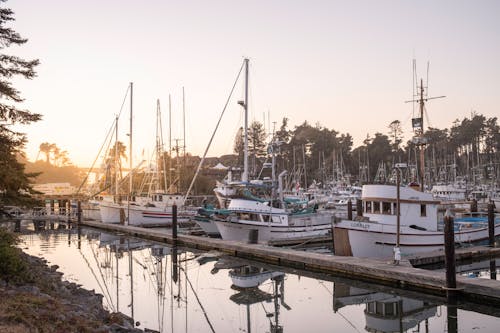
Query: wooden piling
point(452, 317)
point(493, 269)
point(473, 206)
point(349, 210)
point(79, 212)
point(449, 249)
point(359, 207)
point(174, 222)
point(491, 224)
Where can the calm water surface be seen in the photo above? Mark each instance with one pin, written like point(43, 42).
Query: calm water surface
point(178, 290)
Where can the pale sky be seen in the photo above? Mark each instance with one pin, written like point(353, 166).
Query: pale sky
point(345, 64)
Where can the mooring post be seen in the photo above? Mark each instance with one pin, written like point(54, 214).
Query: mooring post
point(359, 207)
point(253, 236)
point(79, 212)
point(491, 224)
point(349, 210)
point(174, 223)
point(473, 206)
point(449, 259)
point(452, 316)
point(493, 269)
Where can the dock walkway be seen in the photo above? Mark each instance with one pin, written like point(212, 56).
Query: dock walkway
point(370, 270)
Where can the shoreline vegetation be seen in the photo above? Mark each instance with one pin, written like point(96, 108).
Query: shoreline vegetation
point(36, 299)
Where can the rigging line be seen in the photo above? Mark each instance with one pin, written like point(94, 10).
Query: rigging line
point(98, 154)
point(198, 299)
point(213, 134)
point(348, 321)
point(119, 113)
point(110, 303)
point(263, 308)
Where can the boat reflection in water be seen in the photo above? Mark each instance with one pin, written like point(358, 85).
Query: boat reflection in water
point(385, 312)
point(246, 281)
point(170, 289)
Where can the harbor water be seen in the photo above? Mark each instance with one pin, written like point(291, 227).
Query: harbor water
point(181, 290)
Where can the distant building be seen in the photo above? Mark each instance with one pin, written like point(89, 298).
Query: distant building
point(55, 188)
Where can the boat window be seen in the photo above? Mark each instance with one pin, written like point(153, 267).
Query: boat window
point(368, 206)
point(266, 218)
point(386, 207)
point(376, 207)
point(423, 210)
point(389, 309)
point(379, 308)
point(395, 208)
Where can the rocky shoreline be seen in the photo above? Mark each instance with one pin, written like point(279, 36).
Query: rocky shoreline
point(49, 304)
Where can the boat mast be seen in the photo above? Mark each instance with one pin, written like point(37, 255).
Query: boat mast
point(418, 125)
point(170, 140)
point(422, 140)
point(130, 140)
point(116, 159)
point(244, 177)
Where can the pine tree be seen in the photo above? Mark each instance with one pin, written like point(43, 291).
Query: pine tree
point(14, 182)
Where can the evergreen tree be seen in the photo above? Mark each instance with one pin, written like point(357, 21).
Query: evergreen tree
point(14, 182)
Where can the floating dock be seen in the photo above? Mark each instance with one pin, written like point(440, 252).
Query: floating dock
point(377, 271)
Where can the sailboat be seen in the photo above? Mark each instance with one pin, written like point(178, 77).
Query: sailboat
point(114, 209)
point(155, 209)
point(402, 220)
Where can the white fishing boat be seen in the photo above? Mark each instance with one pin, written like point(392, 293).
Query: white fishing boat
point(247, 217)
point(375, 233)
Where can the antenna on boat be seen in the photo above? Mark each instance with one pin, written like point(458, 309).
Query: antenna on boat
point(418, 124)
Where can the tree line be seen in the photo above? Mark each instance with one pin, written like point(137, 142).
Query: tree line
point(470, 149)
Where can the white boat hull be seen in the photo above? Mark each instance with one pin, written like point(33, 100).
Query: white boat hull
point(241, 231)
point(111, 212)
point(376, 240)
point(156, 216)
point(208, 226)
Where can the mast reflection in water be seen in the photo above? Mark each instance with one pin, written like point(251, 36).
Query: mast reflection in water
point(207, 292)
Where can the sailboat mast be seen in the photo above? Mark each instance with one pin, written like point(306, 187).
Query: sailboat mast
point(170, 140)
point(130, 140)
point(116, 158)
point(244, 177)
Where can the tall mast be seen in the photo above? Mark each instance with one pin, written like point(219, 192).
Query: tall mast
point(170, 140)
point(244, 177)
point(422, 143)
point(418, 126)
point(183, 122)
point(183, 135)
point(130, 140)
point(116, 158)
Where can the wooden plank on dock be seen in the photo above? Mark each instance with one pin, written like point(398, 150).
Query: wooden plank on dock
point(473, 253)
point(369, 270)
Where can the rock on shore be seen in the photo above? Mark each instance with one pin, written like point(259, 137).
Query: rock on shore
point(49, 304)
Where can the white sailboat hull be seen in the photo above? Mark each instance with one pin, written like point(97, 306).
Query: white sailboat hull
point(111, 212)
point(156, 216)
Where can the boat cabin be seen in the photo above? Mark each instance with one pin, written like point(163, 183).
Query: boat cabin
point(418, 209)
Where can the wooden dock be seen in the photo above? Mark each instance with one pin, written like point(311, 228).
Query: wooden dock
point(369, 270)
